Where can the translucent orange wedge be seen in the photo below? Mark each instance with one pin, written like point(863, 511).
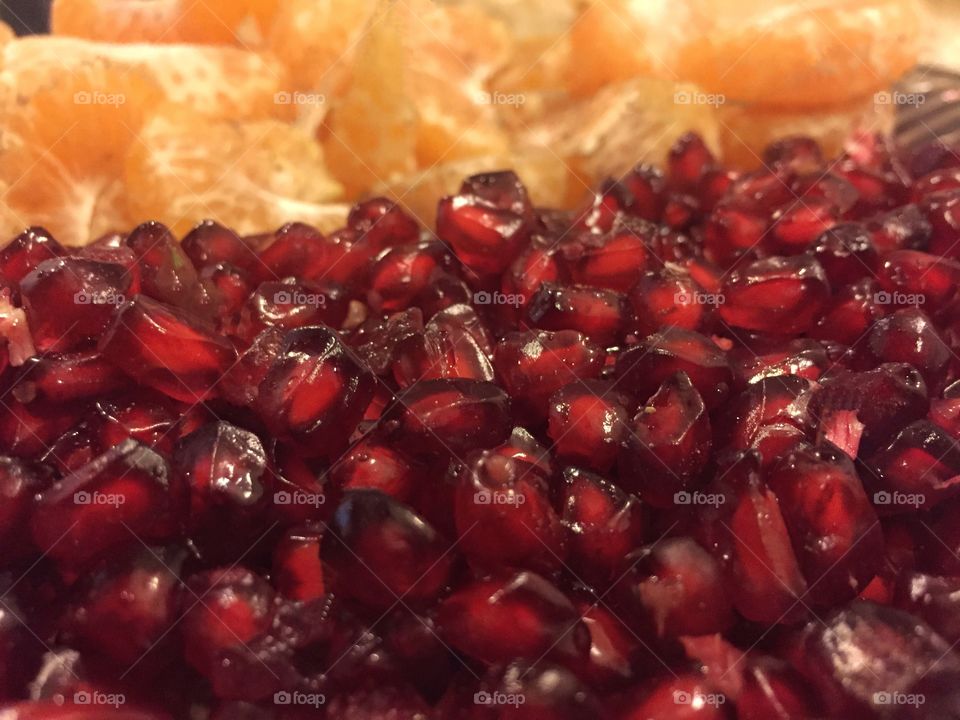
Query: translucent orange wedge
point(251, 176)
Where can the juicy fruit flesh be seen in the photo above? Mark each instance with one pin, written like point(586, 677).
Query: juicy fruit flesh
point(598, 460)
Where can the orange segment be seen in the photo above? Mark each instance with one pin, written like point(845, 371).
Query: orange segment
point(799, 54)
point(239, 22)
point(249, 176)
point(317, 39)
point(63, 149)
point(218, 81)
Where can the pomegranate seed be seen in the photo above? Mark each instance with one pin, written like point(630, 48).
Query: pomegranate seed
point(382, 223)
point(69, 376)
point(291, 305)
point(616, 261)
point(795, 228)
point(166, 273)
point(210, 243)
point(647, 188)
point(27, 250)
point(688, 160)
point(488, 222)
point(70, 302)
point(401, 273)
point(775, 295)
point(601, 315)
point(668, 298)
point(683, 697)
point(377, 550)
point(846, 254)
point(668, 443)
point(297, 569)
point(799, 154)
point(513, 616)
point(161, 347)
point(905, 228)
point(586, 423)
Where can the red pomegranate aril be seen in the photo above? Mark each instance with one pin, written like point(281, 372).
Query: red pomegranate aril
point(401, 273)
point(27, 250)
point(533, 365)
point(612, 647)
point(769, 401)
point(451, 415)
point(315, 391)
point(911, 277)
point(750, 539)
point(231, 286)
point(549, 691)
point(676, 588)
point(52, 710)
point(681, 211)
point(163, 348)
point(689, 158)
point(647, 188)
point(383, 223)
point(850, 313)
point(586, 423)
point(298, 250)
point(682, 697)
point(616, 261)
point(488, 222)
point(601, 315)
point(210, 243)
point(668, 298)
point(731, 232)
point(802, 357)
point(908, 336)
point(846, 254)
point(150, 418)
point(919, 469)
point(938, 181)
point(778, 295)
point(667, 445)
point(454, 344)
point(235, 607)
point(878, 189)
point(504, 516)
point(125, 611)
point(378, 552)
point(378, 339)
point(605, 525)
point(121, 498)
point(862, 655)
point(796, 227)
point(797, 153)
point(28, 430)
point(643, 368)
point(904, 228)
point(714, 186)
point(70, 302)
point(772, 690)
point(528, 272)
point(222, 467)
point(511, 616)
point(64, 377)
point(884, 399)
point(166, 273)
point(833, 526)
point(297, 568)
point(289, 304)
point(373, 464)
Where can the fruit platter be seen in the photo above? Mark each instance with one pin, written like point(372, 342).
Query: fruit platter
point(480, 360)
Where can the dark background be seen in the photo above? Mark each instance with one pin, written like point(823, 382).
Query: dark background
point(25, 16)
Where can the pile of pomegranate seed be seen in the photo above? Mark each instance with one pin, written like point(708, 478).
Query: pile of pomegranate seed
point(691, 452)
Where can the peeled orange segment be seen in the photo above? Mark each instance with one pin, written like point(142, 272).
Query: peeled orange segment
point(317, 40)
point(62, 148)
point(799, 54)
point(251, 176)
point(622, 125)
point(6, 33)
point(240, 22)
point(370, 137)
point(746, 131)
point(454, 51)
point(217, 81)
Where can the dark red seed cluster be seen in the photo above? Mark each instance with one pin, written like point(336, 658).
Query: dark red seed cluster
point(690, 452)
